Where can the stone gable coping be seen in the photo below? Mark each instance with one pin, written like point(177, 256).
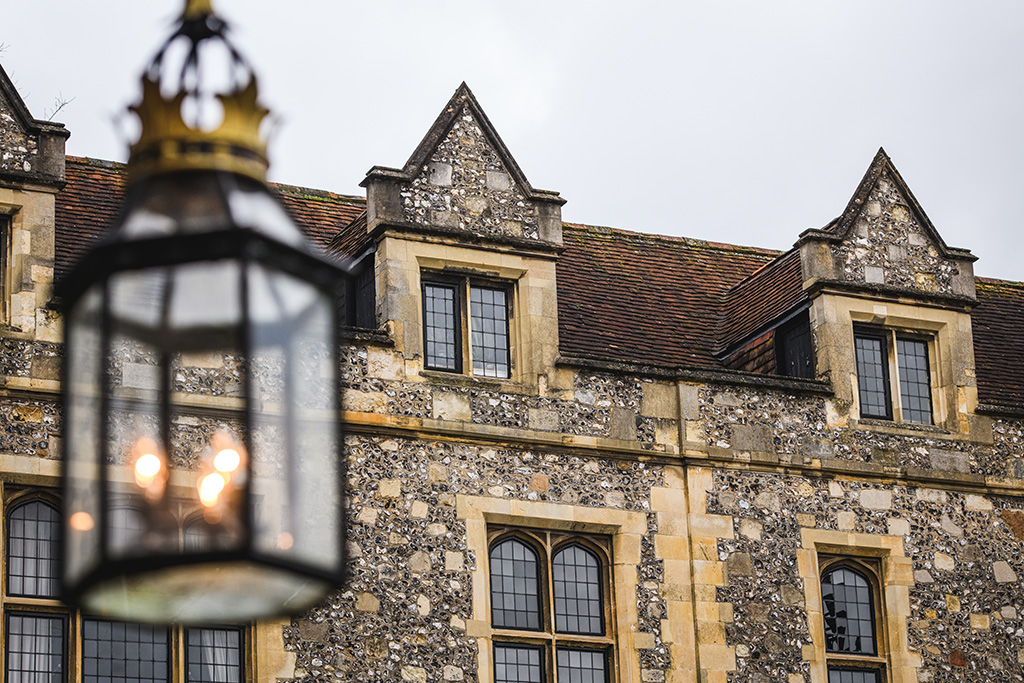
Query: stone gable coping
point(30, 149)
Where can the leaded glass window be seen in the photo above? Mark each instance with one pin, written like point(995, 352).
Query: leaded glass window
point(35, 648)
point(849, 612)
point(488, 324)
point(441, 326)
point(853, 676)
point(518, 664)
point(515, 588)
point(553, 588)
point(213, 655)
point(915, 381)
point(873, 376)
point(576, 582)
point(114, 652)
point(32, 550)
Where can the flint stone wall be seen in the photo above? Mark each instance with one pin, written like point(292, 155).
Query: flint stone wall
point(888, 246)
point(466, 186)
point(405, 608)
point(18, 149)
point(966, 605)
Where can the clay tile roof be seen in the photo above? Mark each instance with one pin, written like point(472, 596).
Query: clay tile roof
point(764, 296)
point(998, 323)
point(625, 296)
point(92, 197)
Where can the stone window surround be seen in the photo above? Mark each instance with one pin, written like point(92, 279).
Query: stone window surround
point(895, 579)
point(7, 219)
point(463, 284)
point(950, 356)
point(891, 336)
point(623, 527)
point(454, 270)
point(263, 650)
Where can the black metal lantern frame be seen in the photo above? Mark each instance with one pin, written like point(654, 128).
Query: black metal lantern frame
point(212, 491)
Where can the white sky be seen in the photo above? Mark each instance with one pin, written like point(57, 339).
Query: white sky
point(739, 121)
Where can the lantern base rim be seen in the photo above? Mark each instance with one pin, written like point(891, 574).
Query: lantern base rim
point(210, 592)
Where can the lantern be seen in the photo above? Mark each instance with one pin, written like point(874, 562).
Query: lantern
point(203, 474)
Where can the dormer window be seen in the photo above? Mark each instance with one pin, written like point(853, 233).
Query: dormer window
point(794, 352)
point(886, 358)
point(445, 324)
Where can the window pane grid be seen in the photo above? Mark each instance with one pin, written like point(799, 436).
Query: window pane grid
point(517, 664)
point(849, 613)
point(853, 676)
point(577, 592)
point(915, 384)
point(35, 648)
point(214, 655)
point(872, 377)
point(32, 551)
point(515, 594)
point(440, 313)
point(488, 324)
point(114, 652)
point(582, 666)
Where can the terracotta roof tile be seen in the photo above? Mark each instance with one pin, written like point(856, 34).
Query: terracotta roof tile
point(764, 296)
point(998, 323)
point(646, 298)
point(94, 191)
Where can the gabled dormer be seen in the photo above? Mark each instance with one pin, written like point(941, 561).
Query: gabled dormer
point(31, 173)
point(890, 310)
point(462, 179)
point(883, 243)
point(465, 255)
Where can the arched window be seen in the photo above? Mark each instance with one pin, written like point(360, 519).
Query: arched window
point(515, 585)
point(554, 583)
point(33, 549)
point(849, 612)
point(576, 582)
point(850, 619)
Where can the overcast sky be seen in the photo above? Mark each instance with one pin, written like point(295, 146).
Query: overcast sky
point(733, 121)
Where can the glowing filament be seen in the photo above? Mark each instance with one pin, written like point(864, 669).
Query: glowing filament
point(227, 460)
point(147, 467)
point(81, 521)
point(210, 487)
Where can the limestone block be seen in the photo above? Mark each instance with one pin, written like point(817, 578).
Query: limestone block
point(1003, 572)
point(414, 674)
point(140, 376)
point(977, 503)
point(874, 275)
point(389, 488)
point(689, 402)
point(367, 602)
point(419, 510)
point(453, 561)
point(623, 424)
point(752, 438)
point(950, 528)
point(384, 364)
point(543, 420)
point(643, 641)
point(451, 406)
point(659, 400)
point(931, 496)
point(898, 526)
point(750, 529)
point(452, 673)
point(497, 180)
point(419, 562)
point(950, 461)
point(846, 521)
point(944, 563)
point(876, 499)
point(365, 401)
point(439, 173)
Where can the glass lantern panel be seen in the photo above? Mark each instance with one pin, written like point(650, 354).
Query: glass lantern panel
point(82, 436)
point(297, 505)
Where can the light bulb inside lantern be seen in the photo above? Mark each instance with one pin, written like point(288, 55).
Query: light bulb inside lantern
point(81, 521)
point(227, 460)
point(210, 487)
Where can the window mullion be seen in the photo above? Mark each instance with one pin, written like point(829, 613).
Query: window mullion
point(895, 393)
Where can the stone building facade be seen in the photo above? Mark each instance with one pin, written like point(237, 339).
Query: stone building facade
point(591, 454)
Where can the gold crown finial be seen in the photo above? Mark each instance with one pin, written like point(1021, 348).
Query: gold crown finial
point(167, 142)
point(194, 9)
